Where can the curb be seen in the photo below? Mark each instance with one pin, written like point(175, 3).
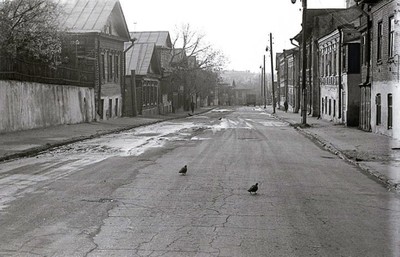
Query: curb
point(373, 174)
point(37, 150)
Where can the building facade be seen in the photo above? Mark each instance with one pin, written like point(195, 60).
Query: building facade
point(97, 30)
point(339, 69)
point(385, 67)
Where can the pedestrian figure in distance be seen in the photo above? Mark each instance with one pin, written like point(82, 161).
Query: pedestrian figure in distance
point(285, 104)
point(183, 170)
point(253, 189)
point(192, 106)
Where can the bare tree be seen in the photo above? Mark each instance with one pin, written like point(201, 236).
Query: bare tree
point(194, 46)
point(29, 29)
point(195, 63)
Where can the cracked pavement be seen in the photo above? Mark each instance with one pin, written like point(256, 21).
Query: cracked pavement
point(309, 203)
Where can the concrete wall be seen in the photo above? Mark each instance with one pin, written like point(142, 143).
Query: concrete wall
point(26, 105)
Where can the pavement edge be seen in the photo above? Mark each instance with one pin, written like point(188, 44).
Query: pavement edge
point(37, 150)
point(324, 144)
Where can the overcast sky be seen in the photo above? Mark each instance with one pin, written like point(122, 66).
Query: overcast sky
point(240, 28)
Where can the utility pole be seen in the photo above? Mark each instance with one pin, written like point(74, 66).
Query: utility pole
point(304, 59)
point(261, 82)
point(304, 71)
point(272, 72)
point(265, 99)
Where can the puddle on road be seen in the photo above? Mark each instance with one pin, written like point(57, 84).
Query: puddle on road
point(63, 161)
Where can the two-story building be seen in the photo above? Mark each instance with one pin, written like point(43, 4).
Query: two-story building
point(96, 30)
point(385, 67)
point(339, 70)
point(379, 58)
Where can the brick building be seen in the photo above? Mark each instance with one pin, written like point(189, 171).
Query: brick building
point(385, 67)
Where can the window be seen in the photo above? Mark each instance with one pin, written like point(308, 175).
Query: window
point(101, 108)
point(329, 62)
point(110, 68)
point(109, 108)
point(326, 104)
point(321, 65)
point(116, 107)
point(330, 107)
point(143, 95)
point(391, 37)
point(102, 68)
point(390, 111)
point(334, 63)
point(363, 47)
point(108, 28)
point(379, 41)
point(116, 68)
point(334, 108)
point(378, 109)
point(322, 105)
point(344, 58)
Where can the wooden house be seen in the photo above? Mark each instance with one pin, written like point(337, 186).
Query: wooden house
point(162, 41)
point(96, 30)
point(143, 75)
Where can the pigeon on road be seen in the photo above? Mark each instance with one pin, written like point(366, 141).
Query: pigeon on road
point(253, 189)
point(183, 170)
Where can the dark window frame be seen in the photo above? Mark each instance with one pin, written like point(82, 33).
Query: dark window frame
point(379, 38)
point(390, 111)
point(391, 35)
point(378, 106)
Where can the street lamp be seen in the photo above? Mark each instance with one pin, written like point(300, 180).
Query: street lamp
point(304, 59)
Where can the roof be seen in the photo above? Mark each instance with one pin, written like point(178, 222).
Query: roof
point(160, 38)
point(141, 58)
point(322, 21)
point(93, 16)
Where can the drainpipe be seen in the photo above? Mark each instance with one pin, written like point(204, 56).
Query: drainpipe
point(368, 42)
point(100, 78)
point(368, 58)
point(340, 71)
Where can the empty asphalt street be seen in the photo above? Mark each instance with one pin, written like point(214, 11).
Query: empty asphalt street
point(121, 195)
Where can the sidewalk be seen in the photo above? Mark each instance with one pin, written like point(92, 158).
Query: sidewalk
point(30, 142)
point(376, 155)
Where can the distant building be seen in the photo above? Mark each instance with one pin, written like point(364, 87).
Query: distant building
point(287, 65)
